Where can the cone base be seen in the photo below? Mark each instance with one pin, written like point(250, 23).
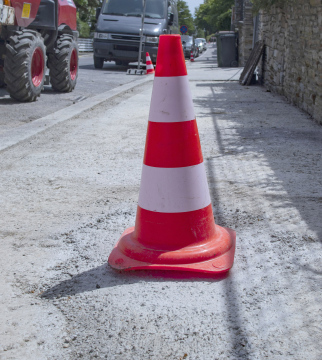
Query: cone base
point(218, 264)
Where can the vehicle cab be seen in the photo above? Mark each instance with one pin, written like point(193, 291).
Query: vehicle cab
point(117, 35)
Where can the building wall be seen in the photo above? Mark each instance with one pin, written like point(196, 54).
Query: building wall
point(292, 62)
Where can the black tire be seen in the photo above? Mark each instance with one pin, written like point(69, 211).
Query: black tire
point(98, 62)
point(2, 56)
point(121, 62)
point(63, 64)
point(2, 83)
point(24, 65)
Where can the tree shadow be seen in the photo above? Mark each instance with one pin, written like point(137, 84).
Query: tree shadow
point(256, 138)
point(262, 137)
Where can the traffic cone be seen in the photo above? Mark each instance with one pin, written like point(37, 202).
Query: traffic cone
point(149, 65)
point(191, 56)
point(174, 227)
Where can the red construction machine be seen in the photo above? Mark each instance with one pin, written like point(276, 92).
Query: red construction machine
point(35, 35)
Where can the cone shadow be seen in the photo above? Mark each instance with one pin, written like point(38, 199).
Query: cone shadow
point(103, 277)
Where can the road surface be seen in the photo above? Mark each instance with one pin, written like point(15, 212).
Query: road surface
point(90, 82)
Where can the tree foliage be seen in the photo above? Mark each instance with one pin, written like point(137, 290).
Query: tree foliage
point(86, 21)
point(200, 33)
point(214, 15)
point(185, 17)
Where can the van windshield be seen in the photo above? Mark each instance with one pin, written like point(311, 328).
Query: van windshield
point(155, 9)
point(186, 40)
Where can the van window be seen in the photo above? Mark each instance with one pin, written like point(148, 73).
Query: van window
point(155, 9)
point(186, 39)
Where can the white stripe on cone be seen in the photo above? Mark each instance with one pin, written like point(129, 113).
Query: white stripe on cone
point(174, 190)
point(149, 67)
point(171, 100)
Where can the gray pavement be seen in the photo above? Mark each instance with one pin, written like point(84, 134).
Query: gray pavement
point(68, 192)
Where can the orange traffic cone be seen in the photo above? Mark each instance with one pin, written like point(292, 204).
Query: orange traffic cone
point(174, 228)
point(149, 65)
point(191, 56)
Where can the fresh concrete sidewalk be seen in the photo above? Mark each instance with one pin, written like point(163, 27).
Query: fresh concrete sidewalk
point(68, 193)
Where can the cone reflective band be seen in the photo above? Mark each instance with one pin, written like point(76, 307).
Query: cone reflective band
point(174, 227)
point(149, 65)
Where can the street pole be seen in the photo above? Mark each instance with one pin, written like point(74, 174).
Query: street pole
point(141, 35)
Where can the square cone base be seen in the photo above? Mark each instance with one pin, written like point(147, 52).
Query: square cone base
point(221, 264)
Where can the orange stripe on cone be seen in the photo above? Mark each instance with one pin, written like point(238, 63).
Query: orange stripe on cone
point(174, 228)
point(172, 145)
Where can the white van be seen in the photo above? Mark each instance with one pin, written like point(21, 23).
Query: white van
point(117, 35)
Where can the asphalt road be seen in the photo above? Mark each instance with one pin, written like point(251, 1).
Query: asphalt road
point(90, 82)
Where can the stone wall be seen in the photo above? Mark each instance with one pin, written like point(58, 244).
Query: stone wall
point(243, 24)
point(292, 62)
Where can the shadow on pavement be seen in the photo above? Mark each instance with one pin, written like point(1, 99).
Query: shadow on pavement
point(105, 277)
point(5, 98)
point(253, 133)
point(264, 136)
point(111, 67)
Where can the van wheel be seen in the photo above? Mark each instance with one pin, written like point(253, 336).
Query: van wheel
point(98, 62)
point(121, 63)
point(2, 83)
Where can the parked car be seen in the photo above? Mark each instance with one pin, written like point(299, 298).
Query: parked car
point(203, 43)
point(199, 45)
point(188, 45)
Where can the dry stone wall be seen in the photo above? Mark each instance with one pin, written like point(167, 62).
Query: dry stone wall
point(243, 24)
point(292, 62)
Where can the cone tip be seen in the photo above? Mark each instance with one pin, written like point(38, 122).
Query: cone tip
point(170, 58)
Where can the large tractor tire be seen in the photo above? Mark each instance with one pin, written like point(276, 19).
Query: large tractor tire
point(2, 56)
point(24, 65)
point(63, 64)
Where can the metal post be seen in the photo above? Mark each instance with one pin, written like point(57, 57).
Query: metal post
point(141, 35)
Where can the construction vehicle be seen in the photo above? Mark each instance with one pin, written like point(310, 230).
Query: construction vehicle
point(35, 35)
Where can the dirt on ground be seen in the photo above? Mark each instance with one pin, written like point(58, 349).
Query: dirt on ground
point(68, 193)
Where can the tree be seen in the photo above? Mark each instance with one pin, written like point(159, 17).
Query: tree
point(86, 21)
point(185, 17)
point(200, 33)
point(214, 15)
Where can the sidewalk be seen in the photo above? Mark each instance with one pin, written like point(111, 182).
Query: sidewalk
point(68, 193)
